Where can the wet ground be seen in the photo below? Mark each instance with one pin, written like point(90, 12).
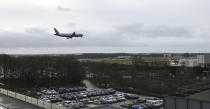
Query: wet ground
point(12, 103)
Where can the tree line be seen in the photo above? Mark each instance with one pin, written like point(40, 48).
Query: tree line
point(38, 71)
point(142, 77)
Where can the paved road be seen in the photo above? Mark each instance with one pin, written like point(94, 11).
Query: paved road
point(12, 103)
point(88, 84)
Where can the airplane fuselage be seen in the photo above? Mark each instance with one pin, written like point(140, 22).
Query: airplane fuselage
point(67, 35)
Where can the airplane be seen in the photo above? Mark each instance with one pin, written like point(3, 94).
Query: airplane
point(67, 35)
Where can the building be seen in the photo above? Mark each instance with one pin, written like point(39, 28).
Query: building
point(124, 57)
point(203, 59)
point(188, 63)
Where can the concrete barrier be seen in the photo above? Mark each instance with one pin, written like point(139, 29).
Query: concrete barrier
point(5, 92)
point(1, 91)
point(54, 106)
point(62, 108)
point(31, 100)
point(34, 101)
point(40, 103)
point(47, 105)
point(11, 94)
point(17, 96)
point(28, 99)
point(20, 97)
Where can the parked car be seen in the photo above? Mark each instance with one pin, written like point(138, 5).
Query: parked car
point(136, 107)
point(78, 105)
point(55, 100)
point(149, 106)
point(145, 106)
point(131, 96)
point(111, 91)
point(81, 105)
point(75, 106)
point(124, 106)
point(119, 99)
point(155, 103)
point(141, 101)
point(112, 100)
point(38, 93)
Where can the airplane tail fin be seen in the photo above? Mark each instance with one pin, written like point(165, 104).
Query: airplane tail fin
point(56, 31)
point(73, 33)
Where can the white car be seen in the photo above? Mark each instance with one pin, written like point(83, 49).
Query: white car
point(156, 103)
point(46, 99)
point(68, 102)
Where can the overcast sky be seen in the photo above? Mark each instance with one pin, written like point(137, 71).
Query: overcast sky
point(133, 26)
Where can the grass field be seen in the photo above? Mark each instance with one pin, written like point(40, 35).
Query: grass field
point(129, 61)
point(117, 61)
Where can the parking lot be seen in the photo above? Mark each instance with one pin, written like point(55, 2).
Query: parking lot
point(89, 96)
point(82, 97)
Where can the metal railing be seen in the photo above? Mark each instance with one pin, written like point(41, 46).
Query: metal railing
point(185, 103)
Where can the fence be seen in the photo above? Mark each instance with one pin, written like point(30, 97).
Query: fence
point(185, 103)
point(31, 100)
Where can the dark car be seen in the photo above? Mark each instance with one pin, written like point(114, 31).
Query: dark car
point(131, 96)
point(149, 106)
point(136, 107)
point(111, 91)
point(62, 90)
point(124, 106)
point(55, 100)
point(81, 105)
point(76, 106)
point(89, 94)
point(120, 99)
point(145, 106)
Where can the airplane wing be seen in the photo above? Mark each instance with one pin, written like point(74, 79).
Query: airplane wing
point(73, 34)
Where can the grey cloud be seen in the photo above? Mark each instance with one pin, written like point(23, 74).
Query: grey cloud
point(30, 38)
point(36, 30)
point(71, 25)
point(123, 36)
point(155, 31)
point(39, 37)
point(59, 8)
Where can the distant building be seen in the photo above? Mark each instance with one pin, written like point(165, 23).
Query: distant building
point(203, 59)
point(167, 55)
point(124, 57)
point(188, 62)
point(187, 55)
point(181, 55)
point(177, 55)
